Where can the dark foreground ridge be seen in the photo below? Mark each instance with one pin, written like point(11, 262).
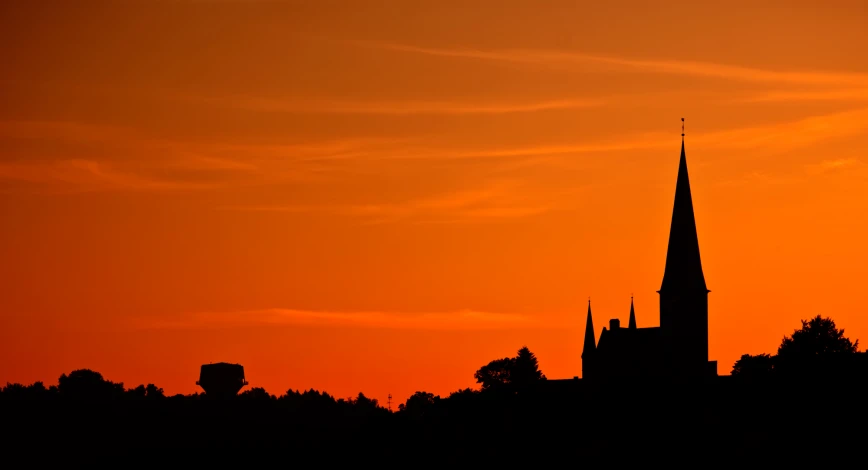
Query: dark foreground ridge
point(517, 416)
point(648, 395)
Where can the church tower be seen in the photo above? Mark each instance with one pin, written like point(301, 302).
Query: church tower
point(683, 293)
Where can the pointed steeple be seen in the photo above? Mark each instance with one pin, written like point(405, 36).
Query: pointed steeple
point(683, 265)
point(632, 324)
point(590, 341)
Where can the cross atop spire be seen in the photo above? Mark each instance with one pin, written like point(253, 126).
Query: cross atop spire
point(682, 129)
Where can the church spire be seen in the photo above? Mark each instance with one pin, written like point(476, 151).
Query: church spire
point(683, 265)
point(590, 341)
point(632, 324)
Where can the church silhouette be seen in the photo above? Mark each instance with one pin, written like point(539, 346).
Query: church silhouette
point(678, 348)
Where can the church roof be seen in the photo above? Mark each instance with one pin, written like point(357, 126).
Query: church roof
point(626, 340)
point(683, 265)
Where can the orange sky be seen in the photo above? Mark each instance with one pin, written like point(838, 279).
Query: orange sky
point(384, 196)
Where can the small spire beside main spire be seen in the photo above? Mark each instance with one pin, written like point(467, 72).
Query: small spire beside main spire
point(590, 340)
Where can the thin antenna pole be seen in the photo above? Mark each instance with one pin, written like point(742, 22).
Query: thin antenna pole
point(390, 402)
point(682, 128)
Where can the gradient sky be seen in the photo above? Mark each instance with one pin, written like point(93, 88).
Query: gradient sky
point(384, 196)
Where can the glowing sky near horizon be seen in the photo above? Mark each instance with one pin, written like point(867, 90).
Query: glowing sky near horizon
point(384, 196)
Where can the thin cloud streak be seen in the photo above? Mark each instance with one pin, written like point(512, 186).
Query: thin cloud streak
point(792, 134)
point(811, 95)
point(497, 201)
point(678, 67)
point(78, 175)
point(139, 163)
point(756, 178)
point(128, 159)
point(839, 164)
point(783, 135)
point(403, 108)
point(458, 320)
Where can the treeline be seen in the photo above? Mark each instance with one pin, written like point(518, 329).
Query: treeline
point(816, 349)
point(811, 389)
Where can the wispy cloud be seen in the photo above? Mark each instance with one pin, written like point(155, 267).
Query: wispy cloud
point(808, 95)
point(791, 134)
point(499, 200)
point(118, 159)
point(76, 175)
point(836, 164)
point(66, 130)
point(678, 67)
point(775, 136)
point(457, 320)
point(401, 107)
point(277, 208)
point(95, 157)
point(758, 178)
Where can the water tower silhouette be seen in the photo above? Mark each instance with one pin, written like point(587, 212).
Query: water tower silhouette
point(221, 379)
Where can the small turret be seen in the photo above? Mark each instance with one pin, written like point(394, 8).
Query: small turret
point(590, 345)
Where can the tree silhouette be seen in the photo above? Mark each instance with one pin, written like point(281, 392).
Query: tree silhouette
point(361, 402)
point(495, 374)
point(89, 385)
point(514, 373)
point(816, 343)
point(256, 394)
point(749, 366)
point(34, 391)
point(419, 404)
point(525, 369)
point(817, 336)
point(150, 392)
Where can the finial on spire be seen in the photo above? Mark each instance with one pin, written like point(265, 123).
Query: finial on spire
point(682, 128)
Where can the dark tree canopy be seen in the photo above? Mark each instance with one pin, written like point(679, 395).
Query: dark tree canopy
point(419, 404)
point(257, 394)
point(150, 392)
point(87, 384)
point(816, 346)
point(525, 369)
point(517, 372)
point(817, 336)
point(749, 366)
point(495, 374)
